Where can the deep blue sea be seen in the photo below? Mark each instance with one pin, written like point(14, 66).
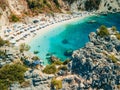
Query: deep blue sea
point(74, 33)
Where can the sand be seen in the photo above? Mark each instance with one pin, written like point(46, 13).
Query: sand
point(45, 30)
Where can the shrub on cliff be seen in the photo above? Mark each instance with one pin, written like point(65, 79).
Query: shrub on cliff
point(50, 69)
point(114, 28)
point(36, 52)
point(11, 73)
point(66, 62)
point(63, 68)
point(3, 4)
point(56, 2)
point(57, 62)
point(118, 36)
point(35, 58)
point(14, 18)
point(56, 84)
point(24, 47)
point(103, 31)
point(113, 58)
point(3, 42)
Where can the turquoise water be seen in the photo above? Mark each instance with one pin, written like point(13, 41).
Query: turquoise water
point(76, 33)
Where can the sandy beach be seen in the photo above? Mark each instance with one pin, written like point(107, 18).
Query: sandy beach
point(44, 30)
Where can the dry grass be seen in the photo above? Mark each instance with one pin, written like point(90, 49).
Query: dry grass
point(3, 4)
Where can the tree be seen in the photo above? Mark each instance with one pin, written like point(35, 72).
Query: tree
point(57, 84)
point(24, 47)
point(118, 36)
point(11, 73)
point(113, 58)
point(56, 2)
point(66, 62)
point(14, 18)
point(35, 58)
point(50, 69)
point(114, 28)
point(3, 42)
point(103, 31)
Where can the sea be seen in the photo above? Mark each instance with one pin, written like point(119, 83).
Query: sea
point(70, 36)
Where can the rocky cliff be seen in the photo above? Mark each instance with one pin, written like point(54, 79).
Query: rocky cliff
point(90, 5)
point(98, 63)
point(8, 7)
point(96, 66)
point(28, 7)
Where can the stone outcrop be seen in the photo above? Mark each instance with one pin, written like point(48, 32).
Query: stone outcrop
point(95, 62)
point(22, 8)
point(90, 5)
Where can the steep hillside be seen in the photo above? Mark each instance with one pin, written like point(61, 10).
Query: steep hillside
point(40, 6)
point(33, 7)
point(89, 5)
point(8, 7)
point(98, 63)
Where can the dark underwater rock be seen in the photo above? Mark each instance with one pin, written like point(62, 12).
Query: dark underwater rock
point(65, 41)
point(68, 52)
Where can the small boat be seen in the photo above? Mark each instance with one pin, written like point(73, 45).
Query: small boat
point(104, 13)
point(92, 21)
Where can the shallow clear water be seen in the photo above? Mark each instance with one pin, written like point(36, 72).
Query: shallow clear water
point(76, 33)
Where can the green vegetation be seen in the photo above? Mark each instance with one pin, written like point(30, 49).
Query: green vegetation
point(38, 6)
point(118, 36)
point(3, 4)
point(25, 84)
point(50, 69)
point(57, 62)
point(103, 31)
point(2, 53)
point(113, 58)
point(89, 4)
point(35, 4)
point(14, 18)
point(114, 28)
point(36, 52)
point(11, 73)
point(35, 58)
point(63, 68)
point(57, 84)
point(56, 65)
point(24, 47)
point(56, 2)
point(3, 42)
point(66, 62)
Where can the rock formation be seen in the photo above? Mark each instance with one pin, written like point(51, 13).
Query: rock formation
point(25, 7)
point(98, 63)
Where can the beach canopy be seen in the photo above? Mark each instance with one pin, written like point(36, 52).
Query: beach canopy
point(37, 62)
point(35, 21)
point(13, 41)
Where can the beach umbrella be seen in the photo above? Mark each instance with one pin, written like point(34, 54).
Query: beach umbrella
point(37, 62)
point(43, 19)
point(35, 21)
point(13, 41)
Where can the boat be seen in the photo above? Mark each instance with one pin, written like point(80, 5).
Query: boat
point(92, 21)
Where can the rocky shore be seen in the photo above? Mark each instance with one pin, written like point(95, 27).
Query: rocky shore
point(98, 63)
point(96, 66)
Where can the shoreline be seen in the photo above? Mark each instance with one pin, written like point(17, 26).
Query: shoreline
point(47, 29)
point(31, 31)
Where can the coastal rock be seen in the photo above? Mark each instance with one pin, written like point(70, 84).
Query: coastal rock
point(89, 44)
point(117, 47)
point(68, 52)
point(94, 62)
point(65, 41)
point(92, 36)
point(53, 58)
